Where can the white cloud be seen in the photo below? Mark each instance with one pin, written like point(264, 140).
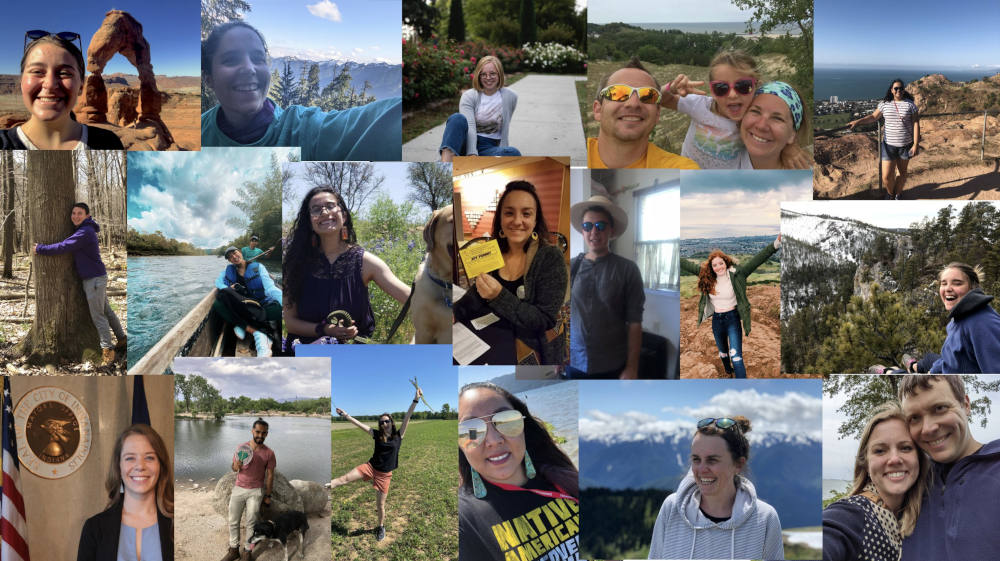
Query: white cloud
point(634, 424)
point(325, 9)
point(280, 378)
point(358, 50)
point(789, 413)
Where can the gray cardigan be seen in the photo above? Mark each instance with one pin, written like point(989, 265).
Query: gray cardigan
point(544, 295)
point(467, 107)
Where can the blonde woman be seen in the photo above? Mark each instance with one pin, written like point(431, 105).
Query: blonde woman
point(890, 478)
point(480, 128)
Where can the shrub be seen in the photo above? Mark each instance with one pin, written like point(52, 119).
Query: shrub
point(553, 57)
point(433, 70)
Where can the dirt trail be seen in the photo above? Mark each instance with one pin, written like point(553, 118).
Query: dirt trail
point(761, 349)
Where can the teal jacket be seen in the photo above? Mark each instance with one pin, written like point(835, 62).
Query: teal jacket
point(738, 276)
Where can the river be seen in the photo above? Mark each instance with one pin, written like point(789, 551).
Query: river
point(558, 404)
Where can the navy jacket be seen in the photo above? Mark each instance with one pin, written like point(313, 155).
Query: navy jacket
point(973, 342)
point(99, 538)
point(83, 245)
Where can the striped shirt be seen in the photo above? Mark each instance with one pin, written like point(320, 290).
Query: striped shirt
point(899, 117)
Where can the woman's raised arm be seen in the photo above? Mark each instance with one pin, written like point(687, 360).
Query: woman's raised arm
point(356, 422)
point(406, 419)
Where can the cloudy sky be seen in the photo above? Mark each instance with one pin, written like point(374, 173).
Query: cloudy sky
point(724, 203)
point(280, 378)
point(605, 11)
point(647, 408)
point(188, 195)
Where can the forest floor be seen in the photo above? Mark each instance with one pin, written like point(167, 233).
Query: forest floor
point(13, 328)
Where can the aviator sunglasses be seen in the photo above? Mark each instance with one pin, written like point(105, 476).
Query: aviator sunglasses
point(743, 86)
point(621, 93)
point(472, 432)
point(722, 422)
point(34, 34)
point(588, 226)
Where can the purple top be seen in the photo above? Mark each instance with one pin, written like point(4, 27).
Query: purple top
point(336, 286)
point(83, 245)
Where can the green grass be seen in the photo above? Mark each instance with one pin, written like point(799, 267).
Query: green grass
point(421, 511)
point(768, 273)
point(419, 121)
point(832, 121)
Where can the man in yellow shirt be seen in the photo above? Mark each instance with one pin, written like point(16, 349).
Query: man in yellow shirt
point(623, 141)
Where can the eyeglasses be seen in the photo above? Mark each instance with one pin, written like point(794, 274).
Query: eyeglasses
point(722, 422)
point(385, 422)
point(316, 211)
point(621, 93)
point(901, 89)
point(472, 432)
point(743, 86)
point(34, 34)
point(600, 225)
point(490, 75)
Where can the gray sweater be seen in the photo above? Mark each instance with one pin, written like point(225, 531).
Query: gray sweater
point(467, 107)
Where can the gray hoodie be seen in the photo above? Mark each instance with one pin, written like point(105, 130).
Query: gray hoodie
point(682, 531)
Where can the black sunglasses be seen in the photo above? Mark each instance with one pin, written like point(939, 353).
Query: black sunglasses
point(36, 34)
point(900, 89)
point(600, 225)
point(743, 86)
point(385, 422)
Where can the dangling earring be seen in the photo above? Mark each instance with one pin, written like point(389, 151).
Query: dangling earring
point(121, 487)
point(343, 234)
point(502, 235)
point(534, 235)
point(529, 468)
point(478, 489)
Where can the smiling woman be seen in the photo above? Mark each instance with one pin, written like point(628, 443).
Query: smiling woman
point(52, 73)
point(234, 59)
point(777, 118)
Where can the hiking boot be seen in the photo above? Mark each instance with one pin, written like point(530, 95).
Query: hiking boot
point(107, 357)
point(232, 555)
point(263, 344)
point(380, 533)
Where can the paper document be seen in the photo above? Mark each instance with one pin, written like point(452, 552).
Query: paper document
point(465, 345)
point(481, 258)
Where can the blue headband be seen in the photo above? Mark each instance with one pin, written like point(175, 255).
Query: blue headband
point(788, 95)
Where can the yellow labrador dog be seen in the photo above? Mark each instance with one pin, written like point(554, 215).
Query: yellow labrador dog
point(430, 309)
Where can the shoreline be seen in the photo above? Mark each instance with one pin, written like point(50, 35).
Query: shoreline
point(210, 417)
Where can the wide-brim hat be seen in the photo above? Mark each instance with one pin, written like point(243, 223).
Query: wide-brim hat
point(577, 211)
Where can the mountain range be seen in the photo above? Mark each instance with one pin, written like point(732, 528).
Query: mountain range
point(386, 79)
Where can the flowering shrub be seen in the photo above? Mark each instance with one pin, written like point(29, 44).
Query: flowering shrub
point(553, 57)
point(433, 70)
point(511, 59)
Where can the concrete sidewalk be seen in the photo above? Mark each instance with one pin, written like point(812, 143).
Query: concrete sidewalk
point(545, 123)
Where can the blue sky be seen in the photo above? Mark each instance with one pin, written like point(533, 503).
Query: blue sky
point(188, 195)
point(901, 214)
point(927, 34)
point(723, 203)
point(359, 30)
point(372, 379)
point(681, 11)
point(172, 29)
point(280, 378)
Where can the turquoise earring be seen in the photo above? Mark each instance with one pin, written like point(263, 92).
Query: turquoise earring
point(529, 468)
point(478, 489)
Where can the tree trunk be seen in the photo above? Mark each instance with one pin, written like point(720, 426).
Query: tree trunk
point(62, 329)
point(8, 207)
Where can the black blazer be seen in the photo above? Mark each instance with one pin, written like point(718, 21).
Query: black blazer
point(99, 538)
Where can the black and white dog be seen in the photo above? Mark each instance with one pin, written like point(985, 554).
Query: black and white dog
point(283, 526)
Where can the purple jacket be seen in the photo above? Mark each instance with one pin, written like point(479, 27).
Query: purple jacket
point(83, 245)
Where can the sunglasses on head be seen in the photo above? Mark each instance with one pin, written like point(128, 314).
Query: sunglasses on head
point(722, 422)
point(34, 34)
point(621, 93)
point(743, 86)
point(600, 225)
point(472, 432)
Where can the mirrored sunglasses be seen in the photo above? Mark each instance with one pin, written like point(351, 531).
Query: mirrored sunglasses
point(722, 422)
point(472, 432)
point(621, 93)
point(743, 86)
point(600, 225)
point(34, 34)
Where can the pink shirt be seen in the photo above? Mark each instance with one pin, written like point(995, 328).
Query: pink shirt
point(251, 476)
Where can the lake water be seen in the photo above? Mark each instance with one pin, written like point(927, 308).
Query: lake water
point(871, 83)
point(163, 289)
point(204, 449)
point(558, 404)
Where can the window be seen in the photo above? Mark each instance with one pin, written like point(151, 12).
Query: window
point(657, 236)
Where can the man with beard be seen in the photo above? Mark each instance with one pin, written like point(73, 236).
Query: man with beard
point(254, 466)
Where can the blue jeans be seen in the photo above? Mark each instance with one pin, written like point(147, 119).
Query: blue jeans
point(456, 130)
point(729, 338)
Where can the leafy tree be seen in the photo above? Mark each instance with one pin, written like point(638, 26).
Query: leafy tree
point(260, 205)
point(387, 219)
point(865, 393)
point(355, 181)
point(421, 16)
point(284, 91)
point(768, 14)
point(456, 22)
point(182, 387)
point(218, 12)
point(529, 31)
point(430, 184)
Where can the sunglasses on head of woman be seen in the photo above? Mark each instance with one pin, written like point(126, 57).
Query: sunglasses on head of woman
point(472, 432)
point(743, 86)
point(722, 422)
point(621, 93)
point(600, 225)
point(34, 34)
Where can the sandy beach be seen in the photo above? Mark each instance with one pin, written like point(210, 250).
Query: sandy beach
point(202, 535)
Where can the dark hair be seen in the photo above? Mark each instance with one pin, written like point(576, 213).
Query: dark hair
point(68, 46)
point(632, 63)
point(211, 44)
point(888, 93)
point(304, 242)
point(604, 211)
point(260, 421)
point(910, 383)
point(393, 434)
point(83, 206)
point(165, 479)
point(549, 460)
point(735, 437)
point(540, 228)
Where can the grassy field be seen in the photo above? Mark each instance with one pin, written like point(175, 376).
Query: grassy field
point(833, 121)
point(421, 520)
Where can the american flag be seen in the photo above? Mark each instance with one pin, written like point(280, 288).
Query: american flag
point(13, 528)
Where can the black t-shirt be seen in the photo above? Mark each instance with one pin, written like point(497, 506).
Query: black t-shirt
point(97, 139)
point(518, 524)
point(386, 456)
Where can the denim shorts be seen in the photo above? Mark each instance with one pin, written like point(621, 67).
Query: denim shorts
point(890, 153)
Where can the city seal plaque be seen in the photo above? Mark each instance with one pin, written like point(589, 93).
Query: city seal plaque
point(53, 432)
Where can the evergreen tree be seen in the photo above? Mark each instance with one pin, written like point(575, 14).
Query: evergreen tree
point(284, 91)
point(456, 22)
point(529, 31)
point(309, 85)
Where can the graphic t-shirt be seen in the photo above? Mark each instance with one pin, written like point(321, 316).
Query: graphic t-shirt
point(489, 116)
point(518, 525)
point(386, 456)
point(712, 141)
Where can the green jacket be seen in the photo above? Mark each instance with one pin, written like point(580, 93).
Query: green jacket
point(738, 276)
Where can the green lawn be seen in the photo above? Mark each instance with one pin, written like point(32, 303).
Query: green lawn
point(421, 512)
point(832, 121)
